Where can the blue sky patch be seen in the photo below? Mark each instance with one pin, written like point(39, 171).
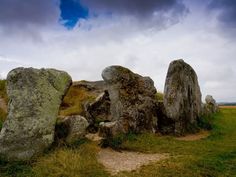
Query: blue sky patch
point(71, 12)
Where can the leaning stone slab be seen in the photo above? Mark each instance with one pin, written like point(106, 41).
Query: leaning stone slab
point(34, 99)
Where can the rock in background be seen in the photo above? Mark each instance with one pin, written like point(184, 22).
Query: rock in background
point(71, 129)
point(132, 102)
point(34, 100)
point(210, 107)
point(182, 97)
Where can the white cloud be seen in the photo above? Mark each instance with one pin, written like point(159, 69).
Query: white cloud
point(84, 52)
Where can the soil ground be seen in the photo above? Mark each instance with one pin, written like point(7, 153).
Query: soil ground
point(116, 162)
point(194, 137)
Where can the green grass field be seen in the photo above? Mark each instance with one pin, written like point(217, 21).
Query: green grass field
point(214, 156)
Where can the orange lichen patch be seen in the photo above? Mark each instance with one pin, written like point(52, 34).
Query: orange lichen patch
point(194, 137)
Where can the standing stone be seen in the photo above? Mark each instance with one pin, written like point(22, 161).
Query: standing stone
point(132, 101)
point(210, 107)
point(34, 99)
point(182, 97)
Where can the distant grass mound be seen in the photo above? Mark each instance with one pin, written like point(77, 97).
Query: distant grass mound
point(74, 100)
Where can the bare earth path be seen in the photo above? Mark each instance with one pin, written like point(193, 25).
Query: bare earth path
point(194, 137)
point(116, 162)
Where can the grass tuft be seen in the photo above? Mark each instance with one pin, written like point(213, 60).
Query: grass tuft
point(159, 96)
point(3, 92)
point(80, 162)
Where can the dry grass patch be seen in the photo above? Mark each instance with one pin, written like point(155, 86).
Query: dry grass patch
point(74, 101)
point(70, 162)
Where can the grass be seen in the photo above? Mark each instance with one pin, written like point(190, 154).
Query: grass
point(74, 100)
point(3, 94)
point(70, 162)
point(3, 116)
point(159, 96)
point(214, 156)
point(77, 161)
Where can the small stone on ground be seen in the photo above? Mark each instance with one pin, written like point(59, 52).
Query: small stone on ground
point(93, 137)
point(116, 162)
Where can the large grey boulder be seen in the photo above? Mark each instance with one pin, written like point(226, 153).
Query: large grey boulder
point(132, 101)
point(182, 97)
point(35, 96)
point(210, 107)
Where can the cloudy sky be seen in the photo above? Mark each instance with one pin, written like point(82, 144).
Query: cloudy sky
point(84, 36)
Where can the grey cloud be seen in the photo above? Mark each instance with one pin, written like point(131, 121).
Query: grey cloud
point(133, 7)
point(156, 12)
point(18, 15)
point(227, 11)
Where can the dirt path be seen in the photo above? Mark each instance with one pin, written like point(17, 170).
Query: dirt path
point(194, 137)
point(116, 162)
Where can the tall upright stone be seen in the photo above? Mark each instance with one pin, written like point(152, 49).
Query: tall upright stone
point(34, 96)
point(132, 101)
point(182, 97)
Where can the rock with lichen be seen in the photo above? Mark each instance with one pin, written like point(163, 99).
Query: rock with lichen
point(34, 96)
point(182, 97)
point(71, 129)
point(210, 107)
point(132, 101)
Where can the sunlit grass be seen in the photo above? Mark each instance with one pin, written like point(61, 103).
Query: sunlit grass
point(159, 96)
point(74, 101)
point(3, 116)
point(70, 162)
point(3, 92)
